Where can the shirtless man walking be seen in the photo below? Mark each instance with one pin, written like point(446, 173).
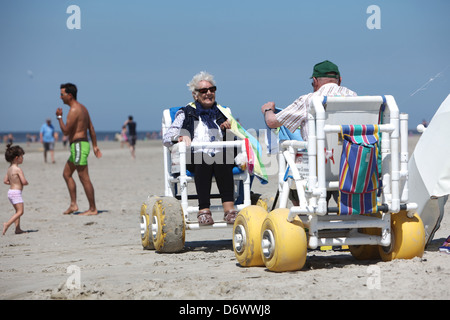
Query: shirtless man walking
point(77, 124)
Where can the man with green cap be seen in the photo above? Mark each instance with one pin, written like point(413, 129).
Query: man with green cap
point(326, 82)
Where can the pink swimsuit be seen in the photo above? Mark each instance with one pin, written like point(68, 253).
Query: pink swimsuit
point(15, 196)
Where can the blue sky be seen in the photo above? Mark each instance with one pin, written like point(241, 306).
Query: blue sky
point(135, 57)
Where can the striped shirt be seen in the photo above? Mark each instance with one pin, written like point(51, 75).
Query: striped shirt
point(296, 115)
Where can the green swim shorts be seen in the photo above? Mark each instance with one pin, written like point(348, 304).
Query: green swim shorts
point(79, 152)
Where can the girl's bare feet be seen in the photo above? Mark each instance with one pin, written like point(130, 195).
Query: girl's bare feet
point(20, 231)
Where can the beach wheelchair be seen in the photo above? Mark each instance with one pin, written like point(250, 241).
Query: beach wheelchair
point(358, 149)
point(164, 219)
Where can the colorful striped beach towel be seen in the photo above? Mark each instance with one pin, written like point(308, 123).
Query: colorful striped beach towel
point(358, 173)
point(254, 150)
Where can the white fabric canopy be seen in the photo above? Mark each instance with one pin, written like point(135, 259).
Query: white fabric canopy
point(432, 152)
point(429, 170)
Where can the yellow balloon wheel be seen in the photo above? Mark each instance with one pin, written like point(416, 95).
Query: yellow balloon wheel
point(266, 201)
point(247, 236)
point(408, 238)
point(367, 252)
point(284, 243)
point(146, 233)
point(168, 228)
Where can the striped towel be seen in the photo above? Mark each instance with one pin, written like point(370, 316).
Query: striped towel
point(358, 173)
point(254, 150)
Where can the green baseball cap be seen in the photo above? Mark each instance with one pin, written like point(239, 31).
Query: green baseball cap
point(326, 69)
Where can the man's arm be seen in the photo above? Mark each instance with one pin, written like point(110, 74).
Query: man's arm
point(268, 111)
point(93, 135)
point(70, 121)
point(41, 134)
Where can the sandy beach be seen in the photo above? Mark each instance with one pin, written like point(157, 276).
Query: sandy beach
point(106, 251)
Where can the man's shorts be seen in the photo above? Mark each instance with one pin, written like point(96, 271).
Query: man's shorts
point(49, 146)
point(15, 196)
point(79, 152)
point(132, 140)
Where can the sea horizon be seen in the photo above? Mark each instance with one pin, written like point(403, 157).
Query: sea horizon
point(33, 136)
point(113, 135)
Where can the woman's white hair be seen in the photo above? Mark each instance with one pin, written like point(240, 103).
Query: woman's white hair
point(201, 76)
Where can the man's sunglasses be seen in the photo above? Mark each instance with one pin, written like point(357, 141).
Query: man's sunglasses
point(205, 90)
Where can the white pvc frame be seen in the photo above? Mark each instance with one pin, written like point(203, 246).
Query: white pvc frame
point(183, 181)
point(324, 228)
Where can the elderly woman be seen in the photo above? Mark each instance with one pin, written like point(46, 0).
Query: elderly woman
point(202, 121)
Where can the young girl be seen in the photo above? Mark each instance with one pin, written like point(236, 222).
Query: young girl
point(15, 178)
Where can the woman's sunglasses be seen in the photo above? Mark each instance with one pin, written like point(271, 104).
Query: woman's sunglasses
point(205, 90)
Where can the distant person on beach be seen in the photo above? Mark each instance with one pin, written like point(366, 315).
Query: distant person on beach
point(132, 135)
point(29, 139)
point(16, 180)
point(64, 140)
point(78, 122)
point(123, 136)
point(203, 121)
point(47, 137)
point(9, 138)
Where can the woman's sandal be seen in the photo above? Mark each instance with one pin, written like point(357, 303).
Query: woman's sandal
point(230, 216)
point(205, 218)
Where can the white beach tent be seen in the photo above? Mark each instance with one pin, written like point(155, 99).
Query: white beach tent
point(429, 170)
